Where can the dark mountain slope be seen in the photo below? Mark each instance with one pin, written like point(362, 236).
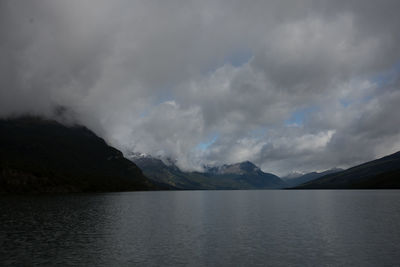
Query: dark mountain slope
point(381, 173)
point(292, 182)
point(243, 175)
point(38, 155)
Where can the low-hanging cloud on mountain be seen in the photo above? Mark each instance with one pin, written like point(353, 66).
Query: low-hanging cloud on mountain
point(291, 85)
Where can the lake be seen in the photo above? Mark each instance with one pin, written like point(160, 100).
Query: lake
point(203, 228)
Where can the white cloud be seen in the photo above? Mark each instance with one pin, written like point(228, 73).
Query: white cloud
point(155, 76)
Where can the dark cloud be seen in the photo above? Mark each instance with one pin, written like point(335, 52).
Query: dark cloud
point(157, 76)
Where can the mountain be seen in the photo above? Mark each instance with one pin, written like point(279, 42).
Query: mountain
point(243, 175)
point(247, 175)
point(383, 173)
point(39, 155)
point(293, 181)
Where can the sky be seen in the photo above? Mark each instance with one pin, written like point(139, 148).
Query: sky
point(298, 85)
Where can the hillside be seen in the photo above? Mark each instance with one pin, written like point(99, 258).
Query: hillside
point(38, 155)
point(383, 173)
point(292, 182)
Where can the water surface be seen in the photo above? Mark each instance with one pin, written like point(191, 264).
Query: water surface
point(203, 228)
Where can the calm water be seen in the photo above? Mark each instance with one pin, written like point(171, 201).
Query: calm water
point(203, 228)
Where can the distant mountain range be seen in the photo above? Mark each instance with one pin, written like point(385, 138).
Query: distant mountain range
point(380, 173)
point(383, 173)
point(42, 156)
point(244, 175)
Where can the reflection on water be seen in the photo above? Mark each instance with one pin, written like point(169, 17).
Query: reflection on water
point(203, 228)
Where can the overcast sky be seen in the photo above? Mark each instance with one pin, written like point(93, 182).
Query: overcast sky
point(291, 85)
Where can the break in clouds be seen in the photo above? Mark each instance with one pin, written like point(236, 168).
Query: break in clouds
point(290, 85)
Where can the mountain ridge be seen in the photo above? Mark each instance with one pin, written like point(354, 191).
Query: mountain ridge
point(382, 173)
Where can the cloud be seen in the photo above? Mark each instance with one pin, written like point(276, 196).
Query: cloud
point(163, 77)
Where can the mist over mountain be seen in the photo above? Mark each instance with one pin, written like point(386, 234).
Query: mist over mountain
point(293, 174)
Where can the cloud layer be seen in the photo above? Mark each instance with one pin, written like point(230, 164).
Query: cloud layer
point(291, 85)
